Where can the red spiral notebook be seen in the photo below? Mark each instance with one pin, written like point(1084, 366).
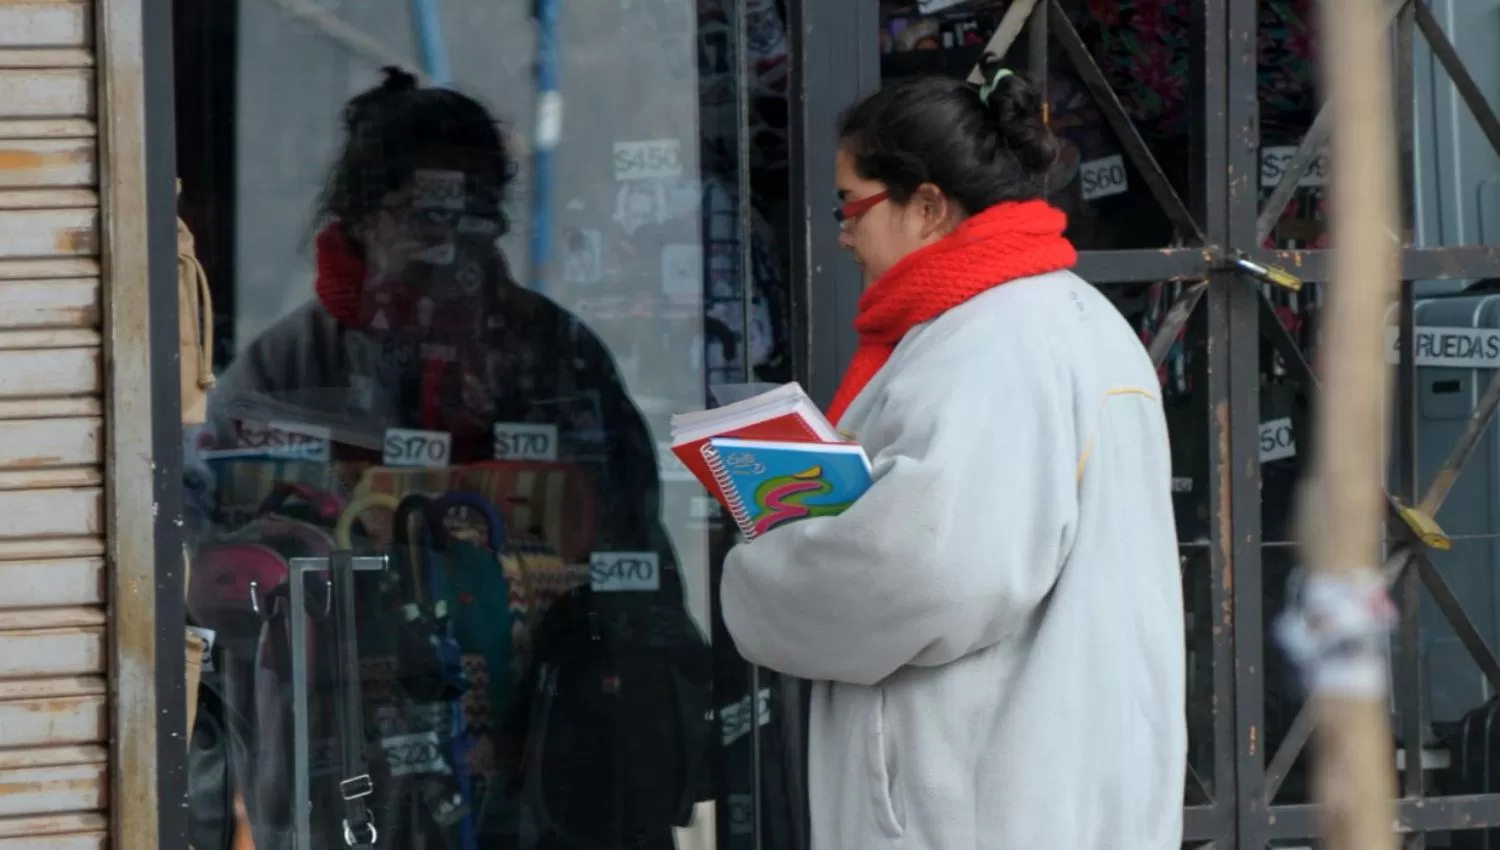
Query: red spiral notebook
point(784, 414)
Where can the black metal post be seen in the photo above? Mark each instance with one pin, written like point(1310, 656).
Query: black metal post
point(1207, 191)
point(1242, 116)
point(166, 414)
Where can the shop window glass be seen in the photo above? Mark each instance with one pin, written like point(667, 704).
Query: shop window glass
point(464, 259)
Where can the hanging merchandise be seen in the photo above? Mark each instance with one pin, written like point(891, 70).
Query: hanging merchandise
point(552, 503)
point(195, 328)
point(1143, 48)
point(232, 572)
point(257, 672)
point(619, 723)
point(356, 787)
point(219, 729)
point(1175, 371)
point(767, 347)
point(420, 571)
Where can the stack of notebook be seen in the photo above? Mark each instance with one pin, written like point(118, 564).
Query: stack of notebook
point(771, 459)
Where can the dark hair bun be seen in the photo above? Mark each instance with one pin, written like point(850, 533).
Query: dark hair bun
point(397, 82)
point(1015, 108)
point(398, 79)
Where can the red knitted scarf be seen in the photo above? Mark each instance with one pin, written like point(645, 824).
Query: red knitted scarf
point(1003, 243)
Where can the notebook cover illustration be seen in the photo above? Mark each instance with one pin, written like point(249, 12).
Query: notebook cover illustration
point(766, 484)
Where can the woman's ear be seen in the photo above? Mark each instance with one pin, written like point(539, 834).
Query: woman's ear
point(936, 210)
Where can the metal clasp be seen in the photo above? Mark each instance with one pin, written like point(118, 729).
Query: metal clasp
point(357, 787)
point(1274, 275)
point(352, 840)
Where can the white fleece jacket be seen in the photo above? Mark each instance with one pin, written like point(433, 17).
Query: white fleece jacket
point(995, 630)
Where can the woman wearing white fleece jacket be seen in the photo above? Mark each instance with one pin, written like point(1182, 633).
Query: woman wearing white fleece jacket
point(995, 630)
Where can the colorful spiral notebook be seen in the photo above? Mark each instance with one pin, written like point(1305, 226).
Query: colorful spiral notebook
point(765, 484)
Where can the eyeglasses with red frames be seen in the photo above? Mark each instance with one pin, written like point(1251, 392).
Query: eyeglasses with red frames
point(850, 210)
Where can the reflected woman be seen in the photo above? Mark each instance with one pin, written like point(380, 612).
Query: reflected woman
point(418, 324)
point(995, 630)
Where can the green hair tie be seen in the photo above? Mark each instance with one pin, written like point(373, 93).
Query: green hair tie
point(989, 88)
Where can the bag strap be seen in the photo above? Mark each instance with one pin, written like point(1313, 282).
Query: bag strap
point(406, 545)
point(356, 785)
point(195, 341)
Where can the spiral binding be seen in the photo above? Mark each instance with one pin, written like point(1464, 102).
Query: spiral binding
point(726, 486)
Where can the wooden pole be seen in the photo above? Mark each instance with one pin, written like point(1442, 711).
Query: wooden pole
point(1342, 516)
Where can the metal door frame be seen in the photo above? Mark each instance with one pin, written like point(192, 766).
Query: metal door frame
point(1222, 224)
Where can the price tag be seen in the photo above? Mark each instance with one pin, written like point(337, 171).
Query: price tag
point(285, 440)
point(208, 636)
point(1182, 485)
point(437, 190)
point(1274, 160)
point(1103, 177)
point(1276, 440)
point(734, 719)
point(658, 159)
point(741, 814)
point(407, 447)
point(526, 441)
point(621, 572)
point(417, 753)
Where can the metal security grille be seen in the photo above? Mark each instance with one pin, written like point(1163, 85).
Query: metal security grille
point(1228, 309)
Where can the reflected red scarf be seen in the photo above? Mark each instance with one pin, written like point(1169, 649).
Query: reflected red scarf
point(341, 276)
point(1003, 243)
point(340, 287)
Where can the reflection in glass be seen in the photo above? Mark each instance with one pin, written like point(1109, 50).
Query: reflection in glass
point(459, 598)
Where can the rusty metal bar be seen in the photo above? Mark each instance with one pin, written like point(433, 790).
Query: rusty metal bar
point(1456, 262)
point(1196, 783)
point(1432, 814)
point(1037, 43)
point(1286, 754)
point(1301, 729)
point(1140, 265)
point(1469, 90)
point(1453, 612)
point(1203, 823)
point(1474, 429)
point(1282, 341)
point(1176, 319)
point(1208, 193)
point(1114, 112)
point(1307, 151)
point(1409, 672)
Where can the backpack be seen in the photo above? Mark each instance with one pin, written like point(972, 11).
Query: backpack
point(620, 719)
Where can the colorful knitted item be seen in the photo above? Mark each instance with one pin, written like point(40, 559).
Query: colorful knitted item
point(1003, 243)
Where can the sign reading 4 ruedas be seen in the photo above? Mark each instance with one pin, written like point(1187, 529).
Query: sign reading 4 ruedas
point(1457, 348)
